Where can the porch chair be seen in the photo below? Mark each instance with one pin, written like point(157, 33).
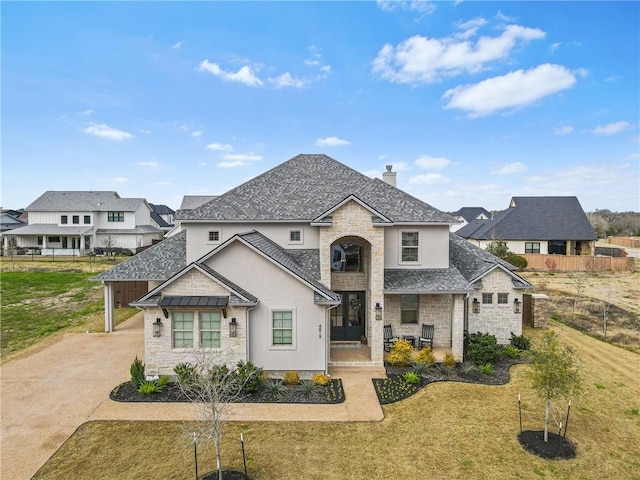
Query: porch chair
point(389, 338)
point(426, 337)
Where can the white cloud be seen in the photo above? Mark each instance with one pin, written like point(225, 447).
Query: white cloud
point(331, 142)
point(420, 6)
point(554, 46)
point(563, 130)
point(196, 133)
point(611, 128)
point(428, 179)
point(470, 27)
point(421, 59)
point(515, 89)
point(84, 113)
point(220, 147)
point(150, 164)
point(514, 167)
point(245, 75)
point(433, 163)
point(505, 18)
point(288, 80)
point(119, 180)
point(242, 157)
point(105, 131)
point(176, 45)
point(232, 164)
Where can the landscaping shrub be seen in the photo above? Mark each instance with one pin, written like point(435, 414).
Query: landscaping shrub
point(149, 387)
point(411, 378)
point(321, 379)
point(163, 381)
point(249, 376)
point(520, 342)
point(511, 351)
point(275, 388)
point(482, 348)
point(309, 388)
point(422, 369)
point(186, 372)
point(487, 369)
point(291, 378)
point(426, 356)
point(137, 372)
point(449, 360)
point(400, 355)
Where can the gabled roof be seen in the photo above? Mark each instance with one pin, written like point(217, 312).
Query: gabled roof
point(161, 209)
point(425, 281)
point(474, 263)
point(377, 216)
point(192, 201)
point(81, 201)
point(304, 187)
point(534, 218)
point(280, 257)
point(159, 262)
point(472, 213)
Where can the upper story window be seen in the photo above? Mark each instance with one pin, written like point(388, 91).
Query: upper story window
point(295, 236)
point(87, 219)
point(64, 219)
point(531, 247)
point(409, 308)
point(487, 298)
point(115, 216)
point(347, 257)
point(213, 236)
point(76, 219)
point(409, 246)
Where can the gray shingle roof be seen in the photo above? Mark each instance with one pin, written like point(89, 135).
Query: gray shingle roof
point(52, 229)
point(80, 201)
point(535, 218)
point(304, 187)
point(433, 280)
point(159, 262)
point(471, 213)
point(192, 201)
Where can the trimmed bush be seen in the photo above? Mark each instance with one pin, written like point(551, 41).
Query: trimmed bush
point(291, 378)
point(186, 372)
point(400, 355)
point(520, 342)
point(249, 376)
point(426, 356)
point(482, 348)
point(321, 379)
point(137, 373)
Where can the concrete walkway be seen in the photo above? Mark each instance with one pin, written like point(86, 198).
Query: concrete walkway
point(46, 394)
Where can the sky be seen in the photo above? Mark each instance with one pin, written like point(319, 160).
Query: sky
point(472, 102)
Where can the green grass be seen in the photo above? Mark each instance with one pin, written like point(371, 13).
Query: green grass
point(37, 304)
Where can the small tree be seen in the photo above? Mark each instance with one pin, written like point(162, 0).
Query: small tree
point(213, 386)
point(500, 249)
point(554, 374)
point(108, 242)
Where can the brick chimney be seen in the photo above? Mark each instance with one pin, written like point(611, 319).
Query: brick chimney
point(389, 176)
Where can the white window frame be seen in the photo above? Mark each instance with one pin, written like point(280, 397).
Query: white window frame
point(173, 330)
point(292, 346)
point(201, 315)
point(296, 242)
point(214, 242)
point(402, 247)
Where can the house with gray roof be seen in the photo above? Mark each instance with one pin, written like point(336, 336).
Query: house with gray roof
point(545, 225)
point(469, 214)
point(79, 222)
point(306, 260)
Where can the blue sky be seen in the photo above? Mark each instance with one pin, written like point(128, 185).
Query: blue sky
point(472, 102)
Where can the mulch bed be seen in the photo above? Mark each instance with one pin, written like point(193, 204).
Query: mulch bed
point(394, 388)
point(557, 448)
point(329, 394)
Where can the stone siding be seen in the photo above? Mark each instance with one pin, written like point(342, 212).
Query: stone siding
point(496, 319)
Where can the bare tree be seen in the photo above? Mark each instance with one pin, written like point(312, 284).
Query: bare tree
point(578, 282)
point(211, 385)
point(108, 242)
point(554, 374)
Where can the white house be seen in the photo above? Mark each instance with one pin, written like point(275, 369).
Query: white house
point(79, 222)
point(309, 256)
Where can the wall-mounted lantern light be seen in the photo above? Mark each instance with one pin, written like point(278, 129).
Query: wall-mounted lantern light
point(476, 306)
point(378, 311)
point(157, 328)
point(516, 305)
point(233, 328)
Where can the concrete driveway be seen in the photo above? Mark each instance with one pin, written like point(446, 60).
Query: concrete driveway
point(46, 394)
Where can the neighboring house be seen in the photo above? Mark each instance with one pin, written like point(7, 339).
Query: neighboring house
point(162, 217)
point(9, 221)
point(79, 222)
point(308, 256)
point(468, 214)
point(547, 225)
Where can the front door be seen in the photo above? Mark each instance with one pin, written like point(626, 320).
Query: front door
point(347, 319)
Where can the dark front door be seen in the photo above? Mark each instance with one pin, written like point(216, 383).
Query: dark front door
point(347, 319)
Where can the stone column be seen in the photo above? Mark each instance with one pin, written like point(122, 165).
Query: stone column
point(539, 310)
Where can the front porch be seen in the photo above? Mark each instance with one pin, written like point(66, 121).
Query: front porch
point(355, 354)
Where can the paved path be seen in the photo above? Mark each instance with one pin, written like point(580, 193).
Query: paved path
point(46, 394)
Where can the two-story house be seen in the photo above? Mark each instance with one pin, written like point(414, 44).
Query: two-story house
point(308, 257)
point(79, 222)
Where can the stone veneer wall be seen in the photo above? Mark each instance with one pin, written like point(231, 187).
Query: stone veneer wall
point(353, 220)
point(539, 310)
point(433, 309)
point(496, 319)
point(161, 358)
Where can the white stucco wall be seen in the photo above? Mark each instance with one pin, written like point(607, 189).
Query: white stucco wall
point(433, 243)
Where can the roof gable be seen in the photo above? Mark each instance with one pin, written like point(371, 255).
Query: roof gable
point(306, 186)
point(352, 198)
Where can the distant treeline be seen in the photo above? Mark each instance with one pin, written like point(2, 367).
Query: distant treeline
point(615, 224)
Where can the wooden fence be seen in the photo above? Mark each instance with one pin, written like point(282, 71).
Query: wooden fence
point(633, 242)
point(577, 263)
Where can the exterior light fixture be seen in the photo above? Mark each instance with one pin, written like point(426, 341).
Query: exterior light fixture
point(233, 328)
point(476, 306)
point(516, 305)
point(378, 311)
point(157, 328)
